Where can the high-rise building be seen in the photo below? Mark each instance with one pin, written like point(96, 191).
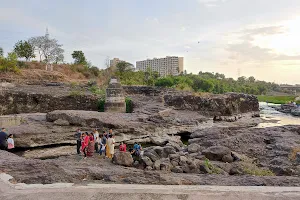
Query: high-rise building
point(114, 62)
point(170, 65)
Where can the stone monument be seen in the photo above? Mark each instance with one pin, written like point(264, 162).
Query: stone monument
point(115, 98)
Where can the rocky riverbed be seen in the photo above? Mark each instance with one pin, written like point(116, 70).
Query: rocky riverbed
point(213, 140)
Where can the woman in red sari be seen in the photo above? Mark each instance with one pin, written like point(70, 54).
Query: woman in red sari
point(84, 143)
point(91, 145)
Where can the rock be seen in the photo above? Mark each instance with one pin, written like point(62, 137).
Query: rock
point(152, 155)
point(165, 166)
point(156, 165)
point(183, 159)
point(177, 169)
point(160, 141)
point(236, 171)
point(123, 158)
point(216, 152)
point(147, 161)
point(298, 158)
point(164, 152)
point(174, 163)
point(174, 156)
point(186, 169)
point(227, 158)
point(136, 164)
point(175, 145)
point(165, 113)
point(61, 122)
point(223, 105)
point(149, 168)
point(296, 112)
point(193, 148)
point(193, 155)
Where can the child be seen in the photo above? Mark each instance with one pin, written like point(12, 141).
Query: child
point(10, 142)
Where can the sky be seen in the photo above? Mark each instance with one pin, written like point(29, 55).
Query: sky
point(259, 38)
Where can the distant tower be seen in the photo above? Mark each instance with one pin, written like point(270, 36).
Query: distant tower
point(239, 72)
point(47, 32)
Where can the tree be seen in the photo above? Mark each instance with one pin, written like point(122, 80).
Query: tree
point(251, 79)
point(1, 52)
point(24, 50)
point(79, 57)
point(48, 48)
point(124, 66)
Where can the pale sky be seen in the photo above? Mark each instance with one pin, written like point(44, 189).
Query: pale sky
point(259, 37)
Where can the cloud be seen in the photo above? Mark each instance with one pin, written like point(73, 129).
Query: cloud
point(211, 3)
point(247, 51)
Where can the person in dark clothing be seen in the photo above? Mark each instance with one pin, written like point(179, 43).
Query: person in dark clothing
point(78, 139)
point(3, 139)
point(103, 143)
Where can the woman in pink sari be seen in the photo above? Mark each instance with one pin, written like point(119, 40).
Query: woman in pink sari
point(91, 145)
point(84, 143)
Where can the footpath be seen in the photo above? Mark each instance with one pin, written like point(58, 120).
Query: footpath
point(66, 191)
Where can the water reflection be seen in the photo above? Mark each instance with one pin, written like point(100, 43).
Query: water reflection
point(275, 118)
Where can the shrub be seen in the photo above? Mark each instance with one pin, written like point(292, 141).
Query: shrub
point(101, 104)
point(214, 170)
point(9, 64)
point(22, 64)
point(129, 106)
point(96, 90)
point(76, 93)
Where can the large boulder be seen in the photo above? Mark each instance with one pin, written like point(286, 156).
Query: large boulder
point(216, 152)
point(123, 158)
point(152, 155)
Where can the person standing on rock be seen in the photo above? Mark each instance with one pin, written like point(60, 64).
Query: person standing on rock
point(110, 147)
point(103, 144)
point(84, 143)
point(91, 145)
point(78, 139)
point(3, 139)
point(96, 138)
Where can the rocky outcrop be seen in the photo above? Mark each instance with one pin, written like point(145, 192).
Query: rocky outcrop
point(218, 105)
point(12, 102)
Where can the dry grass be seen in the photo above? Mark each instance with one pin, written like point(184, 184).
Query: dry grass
point(294, 152)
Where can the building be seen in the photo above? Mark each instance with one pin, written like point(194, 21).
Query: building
point(114, 62)
point(170, 65)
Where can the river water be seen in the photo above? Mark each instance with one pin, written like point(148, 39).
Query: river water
point(275, 118)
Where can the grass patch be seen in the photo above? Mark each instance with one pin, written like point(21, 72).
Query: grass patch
point(256, 171)
point(276, 99)
point(214, 170)
point(76, 93)
point(97, 91)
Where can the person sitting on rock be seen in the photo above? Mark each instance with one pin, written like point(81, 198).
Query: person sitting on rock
point(136, 149)
point(3, 139)
point(10, 142)
point(122, 147)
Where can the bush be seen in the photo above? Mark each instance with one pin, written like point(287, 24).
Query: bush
point(9, 64)
point(129, 106)
point(276, 99)
point(76, 93)
point(101, 104)
point(22, 64)
point(214, 170)
point(97, 91)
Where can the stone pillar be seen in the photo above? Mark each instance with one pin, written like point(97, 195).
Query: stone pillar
point(115, 98)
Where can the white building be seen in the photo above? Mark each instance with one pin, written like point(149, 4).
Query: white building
point(170, 65)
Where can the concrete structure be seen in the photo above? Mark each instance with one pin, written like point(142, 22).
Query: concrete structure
point(170, 65)
point(115, 97)
point(114, 62)
point(65, 191)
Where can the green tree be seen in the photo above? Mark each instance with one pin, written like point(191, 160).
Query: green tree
point(24, 49)
point(1, 52)
point(251, 79)
point(79, 57)
point(124, 66)
point(9, 64)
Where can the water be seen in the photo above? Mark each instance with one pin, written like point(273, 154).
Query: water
point(275, 118)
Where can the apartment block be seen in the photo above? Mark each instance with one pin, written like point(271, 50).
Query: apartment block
point(170, 65)
point(114, 62)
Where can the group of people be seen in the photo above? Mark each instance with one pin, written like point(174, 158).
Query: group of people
point(93, 142)
point(6, 140)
